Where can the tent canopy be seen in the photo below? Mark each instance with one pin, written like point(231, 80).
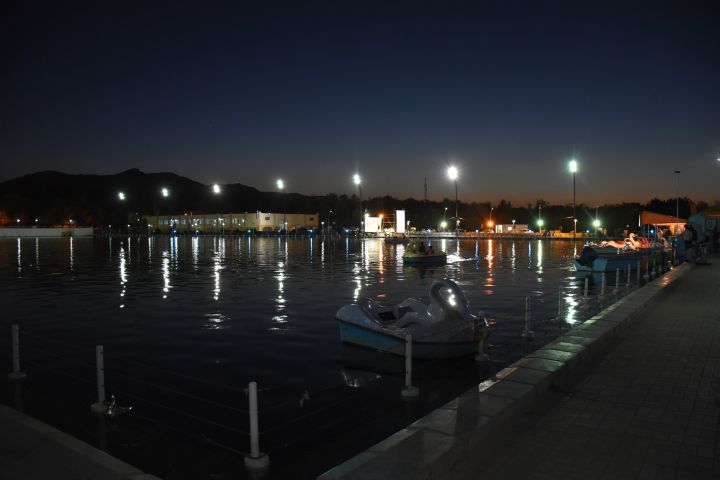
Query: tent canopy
point(650, 218)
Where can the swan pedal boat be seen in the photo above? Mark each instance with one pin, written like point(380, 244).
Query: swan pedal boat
point(443, 329)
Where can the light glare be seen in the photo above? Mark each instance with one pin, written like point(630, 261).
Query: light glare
point(573, 166)
point(216, 188)
point(452, 173)
point(280, 184)
point(356, 179)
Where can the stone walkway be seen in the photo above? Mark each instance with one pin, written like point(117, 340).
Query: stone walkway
point(650, 409)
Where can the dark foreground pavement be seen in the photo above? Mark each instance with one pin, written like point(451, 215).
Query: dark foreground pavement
point(650, 409)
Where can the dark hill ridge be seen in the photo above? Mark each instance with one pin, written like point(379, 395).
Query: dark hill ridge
point(53, 197)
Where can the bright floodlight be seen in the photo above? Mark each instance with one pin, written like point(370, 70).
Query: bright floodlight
point(165, 192)
point(452, 173)
point(573, 165)
point(356, 179)
point(443, 224)
point(121, 196)
point(216, 188)
point(596, 223)
point(540, 222)
point(280, 184)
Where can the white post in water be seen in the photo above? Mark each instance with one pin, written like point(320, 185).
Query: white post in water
point(408, 390)
point(628, 280)
point(527, 333)
point(256, 460)
point(560, 304)
point(617, 279)
point(587, 282)
point(100, 406)
point(16, 374)
point(602, 285)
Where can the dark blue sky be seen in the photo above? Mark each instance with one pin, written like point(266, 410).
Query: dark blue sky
point(507, 91)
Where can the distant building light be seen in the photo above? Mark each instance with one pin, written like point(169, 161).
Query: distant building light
point(216, 188)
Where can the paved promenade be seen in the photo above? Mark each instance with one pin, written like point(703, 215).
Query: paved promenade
point(649, 409)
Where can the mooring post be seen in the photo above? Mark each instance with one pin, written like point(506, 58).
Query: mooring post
point(628, 279)
point(256, 460)
point(527, 334)
point(16, 374)
point(408, 390)
point(602, 284)
point(617, 279)
point(100, 406)
point(587, 282)
point(638, 273)
point(560, 303)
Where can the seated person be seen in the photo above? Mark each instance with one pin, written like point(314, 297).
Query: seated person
point(430, 250)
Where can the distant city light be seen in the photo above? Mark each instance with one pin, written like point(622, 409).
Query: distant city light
point(452, 173)
point(443, 224)
point(216, 188)
point(121, 195)
point(165, 192)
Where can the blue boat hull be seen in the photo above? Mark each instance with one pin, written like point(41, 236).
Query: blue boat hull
point(357, 335)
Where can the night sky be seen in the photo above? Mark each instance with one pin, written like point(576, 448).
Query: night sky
point(247, 93)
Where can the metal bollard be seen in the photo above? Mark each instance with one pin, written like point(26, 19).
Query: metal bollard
point(602, 284)
point(617, 279)
point(16, 374)
point(256, 460)
point(587, 282)
point(100, 406)
point(408, 391)
point(638, 273)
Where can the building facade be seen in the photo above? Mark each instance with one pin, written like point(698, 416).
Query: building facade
point(232, 222)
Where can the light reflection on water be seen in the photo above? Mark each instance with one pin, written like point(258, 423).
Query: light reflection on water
point(176, 290)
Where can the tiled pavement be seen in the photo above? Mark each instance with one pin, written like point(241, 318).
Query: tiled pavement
point(650, 409)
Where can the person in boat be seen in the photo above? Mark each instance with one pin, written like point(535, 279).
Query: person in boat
point(430, 250)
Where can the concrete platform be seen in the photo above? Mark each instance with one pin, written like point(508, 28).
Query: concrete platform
point(32, 450)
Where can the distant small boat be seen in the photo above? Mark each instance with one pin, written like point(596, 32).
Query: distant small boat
point(443, 329)
point(611, 256)
point(419, 254)
point(397, 239)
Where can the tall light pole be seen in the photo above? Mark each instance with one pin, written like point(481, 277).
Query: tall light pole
point(216, 191)
point(677, 200)
point(357, 181)
point(491, 222)
point(453, 175)
point(444, 222)
point(573, 169)
point(281, 187)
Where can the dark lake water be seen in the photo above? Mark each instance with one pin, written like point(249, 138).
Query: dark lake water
point(187, 322)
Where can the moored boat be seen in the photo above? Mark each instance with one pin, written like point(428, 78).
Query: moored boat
point(443, 329)
point(397, 239)
point(417, 253)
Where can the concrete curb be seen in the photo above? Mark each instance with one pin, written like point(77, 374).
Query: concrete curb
point(29, 449)
point(428, 448)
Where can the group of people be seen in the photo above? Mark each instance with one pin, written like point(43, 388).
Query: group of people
point(421, 248)
point(695, 250)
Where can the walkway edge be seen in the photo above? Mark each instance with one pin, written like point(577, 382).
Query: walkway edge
point(30, 448)
point(428, 448)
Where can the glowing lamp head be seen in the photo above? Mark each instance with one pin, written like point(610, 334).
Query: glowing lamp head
point(280, 184)
point(489, 224)
point(573, 166)
point(540, 222)
point(121, 196)
point(356, 179)
point(165, 192)
point(443, 224)
point(216, 189)
point(596, 223)
point(452, 173)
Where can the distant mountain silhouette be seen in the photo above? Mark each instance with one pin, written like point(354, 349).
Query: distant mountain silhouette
point(54, 197)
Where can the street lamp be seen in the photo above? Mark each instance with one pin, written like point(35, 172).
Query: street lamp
point(453, 175)
point(121, 196)
point(596, 224)
point(165, 192)
point(281, 187)
point(491, 210)
point(216, 189)
point(677, 201)
point(444, 223)
point(356, 181)
point(573, 169)
point(513, 226)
